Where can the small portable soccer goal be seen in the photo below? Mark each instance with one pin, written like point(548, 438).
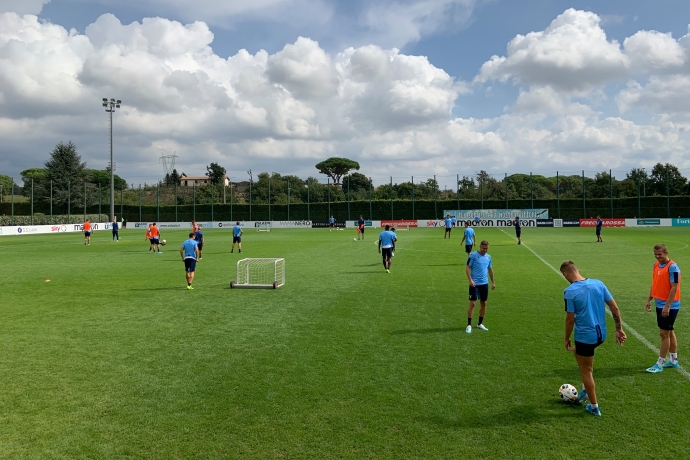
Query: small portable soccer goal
point(402, 228)
point(259, 274)
point(263, 227)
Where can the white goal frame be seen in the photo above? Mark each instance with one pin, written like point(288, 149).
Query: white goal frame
point(402, 228)
point(263, 227)
point(267, 273)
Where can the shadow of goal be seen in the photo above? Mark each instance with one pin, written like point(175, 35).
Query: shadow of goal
point(259, 274)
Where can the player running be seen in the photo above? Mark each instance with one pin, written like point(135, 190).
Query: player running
point(585, 312)
point(468, 238)
point(665, 292)
point(478, 265)
point(449, 226)
point(155, 238)
point(190, 256)
point(518, 229)
point(331, 223)
point(199, 237)
point(386, 241)
point(599, 224)
point(360, 227)
point(87, 232)
point(237, 237)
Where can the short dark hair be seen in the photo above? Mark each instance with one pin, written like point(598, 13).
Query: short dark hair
point(660, 247)
point(238, 223)
point(388, 227)
point(191, 235)
point(568, 267)
point(484, 243)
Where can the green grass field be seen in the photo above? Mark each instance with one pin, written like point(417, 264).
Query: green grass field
point(114, 358)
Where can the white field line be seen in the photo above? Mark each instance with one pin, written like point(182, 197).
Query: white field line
point(628, 329)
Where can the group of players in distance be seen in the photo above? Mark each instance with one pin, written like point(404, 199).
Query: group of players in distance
point(585, 301)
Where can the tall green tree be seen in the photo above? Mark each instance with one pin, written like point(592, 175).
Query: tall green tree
point(676, 181)
point(37, 175)
point(216, 174)
point(102, 177)
point(67, 173)
point(336, 167)
point(6, 183)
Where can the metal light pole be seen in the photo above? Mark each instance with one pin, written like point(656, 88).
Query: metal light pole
point(110, 106)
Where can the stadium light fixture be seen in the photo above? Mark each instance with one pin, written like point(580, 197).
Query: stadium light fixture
point(110, 106)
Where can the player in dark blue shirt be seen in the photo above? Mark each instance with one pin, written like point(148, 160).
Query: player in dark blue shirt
point(518, 229)
point(360, 227)
point(116, 234)
point(199, 237)
point(599, 224)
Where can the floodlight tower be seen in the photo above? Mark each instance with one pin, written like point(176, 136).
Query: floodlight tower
point(110, 106)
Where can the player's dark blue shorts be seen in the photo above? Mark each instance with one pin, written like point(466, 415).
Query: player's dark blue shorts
point(155, 241)
point(189, 265)
point(200, 245)
point(361, 229)
point(468, 248)
point(666, 324)
point(448, 229)
point(598, 231)
point(586, 349)
point(518, 232)
point(236, 239)
point(386, 253)
point(480, 291)
point(87, 233)
point(151, 240)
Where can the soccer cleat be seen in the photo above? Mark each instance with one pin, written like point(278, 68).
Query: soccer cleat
point(468, 329)
point(388, 271)
point(231, 252)
point(189, 287)
point(673, 365)
point(392, 254)
point(582, 396)
point(592, 411)
point(482, 327)
point(160, 252)
point(655, 369)
point(519, 243)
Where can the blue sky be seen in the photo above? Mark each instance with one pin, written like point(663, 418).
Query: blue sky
point(504, 112)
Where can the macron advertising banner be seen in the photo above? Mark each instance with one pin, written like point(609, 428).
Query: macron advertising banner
point(481, 223)
point(497, 214)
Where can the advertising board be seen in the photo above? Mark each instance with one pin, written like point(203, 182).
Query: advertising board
point(605, 222)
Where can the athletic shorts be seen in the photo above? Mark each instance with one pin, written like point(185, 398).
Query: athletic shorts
point(155, 241)
point(448, 229)
point(386, 253)
point(598, 231)
point(151, 240)
point(666, 324)
point(115, 232)
point(361, 229)
point(480, 291)
point(518, 232)
point(200, 246)
point(87, 233)
point(586, 349)
point(468, 248)
point(236, 239)
point(189, 265)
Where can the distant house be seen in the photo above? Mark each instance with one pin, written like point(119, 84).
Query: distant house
point(191, 181)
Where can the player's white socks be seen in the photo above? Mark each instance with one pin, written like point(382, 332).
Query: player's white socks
point(594, 406)
point(674, 358)
point(660, 361)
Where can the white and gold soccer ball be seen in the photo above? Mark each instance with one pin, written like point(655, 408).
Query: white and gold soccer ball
point(163, 243)
point(568, 393)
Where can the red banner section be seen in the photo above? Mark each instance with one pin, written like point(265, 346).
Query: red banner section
point(398, 223)
point(605, 222)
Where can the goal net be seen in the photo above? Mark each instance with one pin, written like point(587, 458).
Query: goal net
point(402, 228)
point(260, 273)
point(263, 227)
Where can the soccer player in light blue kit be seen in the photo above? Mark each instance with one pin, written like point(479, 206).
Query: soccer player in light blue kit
point(237, 237)
point(190, 256)
point(585, 312)
point(386, 241)
point(468, 238)
point(449, 226)
point(478, 265)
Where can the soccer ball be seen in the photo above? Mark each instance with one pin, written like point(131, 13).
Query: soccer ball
point(163, 243)
point(568, 393)
point(354, 239)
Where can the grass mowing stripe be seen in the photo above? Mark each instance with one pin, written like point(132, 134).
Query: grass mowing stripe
point(637, 335)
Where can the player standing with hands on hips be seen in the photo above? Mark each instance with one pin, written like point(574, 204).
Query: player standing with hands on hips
point(518, 229)
point(468, 238)
point(665, 293)
point(478, 265)
point(598, 229)
point(585, 312)
point(190, 256)
point(237, 237)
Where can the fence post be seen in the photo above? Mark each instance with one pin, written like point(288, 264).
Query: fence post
point(139, 202)
point(639, 205)
point(412, 197)
point(457, 189)
point(611, 190)
point(269, 197)
point(32, 200)
point(348, 197)
point(158, 202)
point(328, 184)
point(481, 189)
point(288, 185)
point(435, 207)
point(371, 212)
point(531, 190)
point(584, 204)
point(308, 198)
point(175, 201)
point(668, 199)
point(69, 201)
point(230, 200)
point(213, 192)
point(194, 201)
point(84, 201)
point(51, 201)
point(13, 201)
point(122, 199)
point(250, 197)
point(505, 179)
point(558, 196)
point(391, 197)
point(99, 201)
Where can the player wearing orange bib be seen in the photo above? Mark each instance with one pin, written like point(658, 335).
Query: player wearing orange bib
point(195, 227)
point(665, 292)
point(155, 238)
point(87, 232)
point(149, 237)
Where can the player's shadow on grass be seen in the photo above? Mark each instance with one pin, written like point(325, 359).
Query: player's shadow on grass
point(431, 330)
point(601, 372)
point(523, 414)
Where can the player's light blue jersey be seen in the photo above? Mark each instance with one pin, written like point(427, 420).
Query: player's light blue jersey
point(386, 237)
point(331, 220)
point(479, 264)
point(587, 299)
point(236, 230)
point(453, 220)
point(469, 236)
point(674, 277)
point(449, 222)
point(189, 247)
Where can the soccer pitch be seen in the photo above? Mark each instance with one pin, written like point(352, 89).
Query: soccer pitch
point(114, 358)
